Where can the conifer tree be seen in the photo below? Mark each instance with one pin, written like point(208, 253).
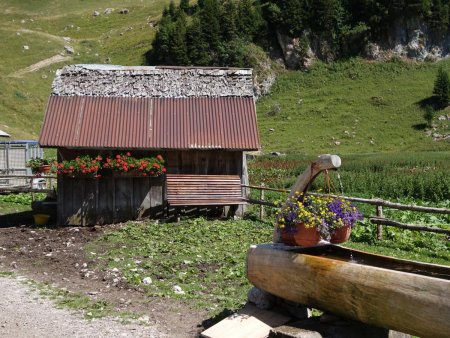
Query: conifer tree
point(184, 5)
point(197, 44)
point(161, 44)
point(229, 18)
point(442, 87)
point(178, 46)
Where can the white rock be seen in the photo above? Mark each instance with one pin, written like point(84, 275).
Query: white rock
point(26, 47)
point(96, 13)
point(178, 290)
point(147, 281)
point(69, 49)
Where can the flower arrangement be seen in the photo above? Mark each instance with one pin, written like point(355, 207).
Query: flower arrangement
point(81, 165)
point(123, 163)
point(37, 163)
point(147, 166)
point(326, 214)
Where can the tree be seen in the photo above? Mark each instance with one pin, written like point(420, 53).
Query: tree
point(197, 44)
point(161, 44)
point(428, 115)
point(178, 46)
point(229, 18)
point(442, 87)
point(184, 6)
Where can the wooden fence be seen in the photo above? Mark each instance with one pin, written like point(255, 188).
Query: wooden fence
point(378, 220)
point(24, 183)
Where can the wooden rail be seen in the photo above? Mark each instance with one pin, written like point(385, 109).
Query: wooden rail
point(27, 187)
point(379, 220)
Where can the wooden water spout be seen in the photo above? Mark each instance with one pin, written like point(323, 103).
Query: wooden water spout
point(323, 162)
point(396, 294)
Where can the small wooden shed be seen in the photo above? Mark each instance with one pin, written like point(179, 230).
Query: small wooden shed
point(201, 120)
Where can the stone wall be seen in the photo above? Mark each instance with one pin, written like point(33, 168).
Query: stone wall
point(164, 82)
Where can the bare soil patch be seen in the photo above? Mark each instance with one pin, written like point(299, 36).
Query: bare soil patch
point(57, 256)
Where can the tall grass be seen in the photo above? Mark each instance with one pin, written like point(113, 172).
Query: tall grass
point(423, 176)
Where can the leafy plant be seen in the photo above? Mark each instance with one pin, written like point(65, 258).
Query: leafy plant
point(38, 162)
point(204, 258)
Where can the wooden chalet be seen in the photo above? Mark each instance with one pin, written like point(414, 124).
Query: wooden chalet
point(201, 120)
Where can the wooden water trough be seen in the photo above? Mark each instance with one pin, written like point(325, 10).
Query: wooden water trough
point(403, 295)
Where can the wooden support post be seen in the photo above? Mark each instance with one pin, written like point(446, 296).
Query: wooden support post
point(261, 207)
point(379, 226)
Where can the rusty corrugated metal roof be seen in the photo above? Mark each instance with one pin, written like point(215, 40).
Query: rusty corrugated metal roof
point(158, 123)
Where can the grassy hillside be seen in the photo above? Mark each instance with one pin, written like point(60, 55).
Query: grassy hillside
point(347, 107)
point(350, 107)
point(42, 26)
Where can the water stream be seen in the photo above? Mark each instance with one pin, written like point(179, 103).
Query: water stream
point(340, 182)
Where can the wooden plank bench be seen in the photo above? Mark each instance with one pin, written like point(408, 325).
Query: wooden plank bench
point(201, 190)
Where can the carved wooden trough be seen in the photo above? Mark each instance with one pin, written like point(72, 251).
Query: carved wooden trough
point(406, 296)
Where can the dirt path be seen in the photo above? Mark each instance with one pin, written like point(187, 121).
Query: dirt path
point(57, 256)
point(41, 64)
point(24, 314)
point(43, 34)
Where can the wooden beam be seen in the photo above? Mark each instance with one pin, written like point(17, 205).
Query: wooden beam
point(383, 221)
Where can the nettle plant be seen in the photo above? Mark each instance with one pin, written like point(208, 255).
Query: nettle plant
point(123, 163)
point(325, 213)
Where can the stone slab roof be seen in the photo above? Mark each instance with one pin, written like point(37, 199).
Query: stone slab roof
point(152, 82)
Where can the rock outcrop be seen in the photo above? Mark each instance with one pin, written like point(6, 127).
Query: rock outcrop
point(411, 39)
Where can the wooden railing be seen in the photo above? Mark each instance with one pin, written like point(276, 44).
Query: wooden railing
point(28, 187)
point(378, 220)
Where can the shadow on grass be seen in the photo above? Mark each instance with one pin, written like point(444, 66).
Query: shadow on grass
point(419, 126)
point(429, 101)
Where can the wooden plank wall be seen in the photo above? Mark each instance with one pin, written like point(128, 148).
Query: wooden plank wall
point(204, 162)
point(87, 201)
point(108, 200)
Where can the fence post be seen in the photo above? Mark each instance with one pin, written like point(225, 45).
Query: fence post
point(379, 226)
point(261, 207)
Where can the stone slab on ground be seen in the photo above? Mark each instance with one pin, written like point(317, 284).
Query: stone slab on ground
point(314, 328)
point(249, 322)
